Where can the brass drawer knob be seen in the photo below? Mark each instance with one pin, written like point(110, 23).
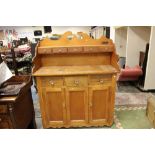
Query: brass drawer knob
point(52, 83)
point(101, 81)
point(76, 82)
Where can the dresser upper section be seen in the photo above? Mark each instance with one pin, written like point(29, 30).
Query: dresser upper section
point(74, 50)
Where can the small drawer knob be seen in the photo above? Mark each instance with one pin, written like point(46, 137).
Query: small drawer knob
point(52, 83)
point(0, 119)
point(76, 82)
point(101, 81)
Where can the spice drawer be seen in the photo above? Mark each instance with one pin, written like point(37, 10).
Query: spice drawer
point(60, 50)
point(45, 50)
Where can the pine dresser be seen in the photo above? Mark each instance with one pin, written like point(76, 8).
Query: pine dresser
point(76, 79)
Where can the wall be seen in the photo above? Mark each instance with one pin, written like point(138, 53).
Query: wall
point(137, 37)
point(112, 33)
point(74, 29)
point(150, 70)
point(120, 41)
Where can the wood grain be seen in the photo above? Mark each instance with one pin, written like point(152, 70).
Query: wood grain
point(74, 70)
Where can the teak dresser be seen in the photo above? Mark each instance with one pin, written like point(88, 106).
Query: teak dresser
point(76, 78)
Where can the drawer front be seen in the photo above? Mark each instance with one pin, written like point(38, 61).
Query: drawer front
point(4, 122)
point(90, 49)
point(44, 50)
point(105, 48)
point(77, 81)
point(60, 50)
point(75, 49)
point(3, 109)
point(100, 79)
point(52, 81)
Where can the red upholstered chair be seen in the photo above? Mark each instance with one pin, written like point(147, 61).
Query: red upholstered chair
point(130, 74)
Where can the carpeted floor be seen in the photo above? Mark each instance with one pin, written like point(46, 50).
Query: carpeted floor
point(130, 108)
point(131, 117)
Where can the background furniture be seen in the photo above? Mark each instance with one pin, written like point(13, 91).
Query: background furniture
point(19, 60)
point(130, 74)
point(76, 81)
point(17, 111)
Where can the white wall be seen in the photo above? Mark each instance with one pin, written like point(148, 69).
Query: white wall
point(150, 70)
point(112, 33)
point(137, 37)
point(74, 29)
point(120, 41)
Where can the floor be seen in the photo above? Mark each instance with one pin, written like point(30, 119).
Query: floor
point(130, 107)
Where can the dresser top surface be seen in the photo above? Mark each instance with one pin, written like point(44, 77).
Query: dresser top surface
point(75, 70)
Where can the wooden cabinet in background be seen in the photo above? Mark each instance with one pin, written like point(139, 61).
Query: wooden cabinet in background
point(17, 110)
point(76, 81)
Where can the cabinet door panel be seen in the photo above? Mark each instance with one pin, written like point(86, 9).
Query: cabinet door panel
point(98, 104)
point(77, 106)
point(55, 106)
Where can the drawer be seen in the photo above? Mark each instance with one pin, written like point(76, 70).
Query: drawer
point(3, 109)
point(52, 81)
point(44, 50)
point(105, 48)
point(75, 49)
point(60, 50)
point(91, 49)
point(76, 81)
point(100, 79)
point(4, 122)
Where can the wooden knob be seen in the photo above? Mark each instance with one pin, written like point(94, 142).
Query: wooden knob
point(0, 119)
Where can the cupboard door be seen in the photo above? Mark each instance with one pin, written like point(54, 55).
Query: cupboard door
point(77, 106)
point(54, 106)
point(99, 98)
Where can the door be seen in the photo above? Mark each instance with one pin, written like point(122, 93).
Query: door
point(77, 106)
point(99, 98)
point(54, 106)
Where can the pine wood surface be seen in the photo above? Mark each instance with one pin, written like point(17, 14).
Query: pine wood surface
point(74, 70)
